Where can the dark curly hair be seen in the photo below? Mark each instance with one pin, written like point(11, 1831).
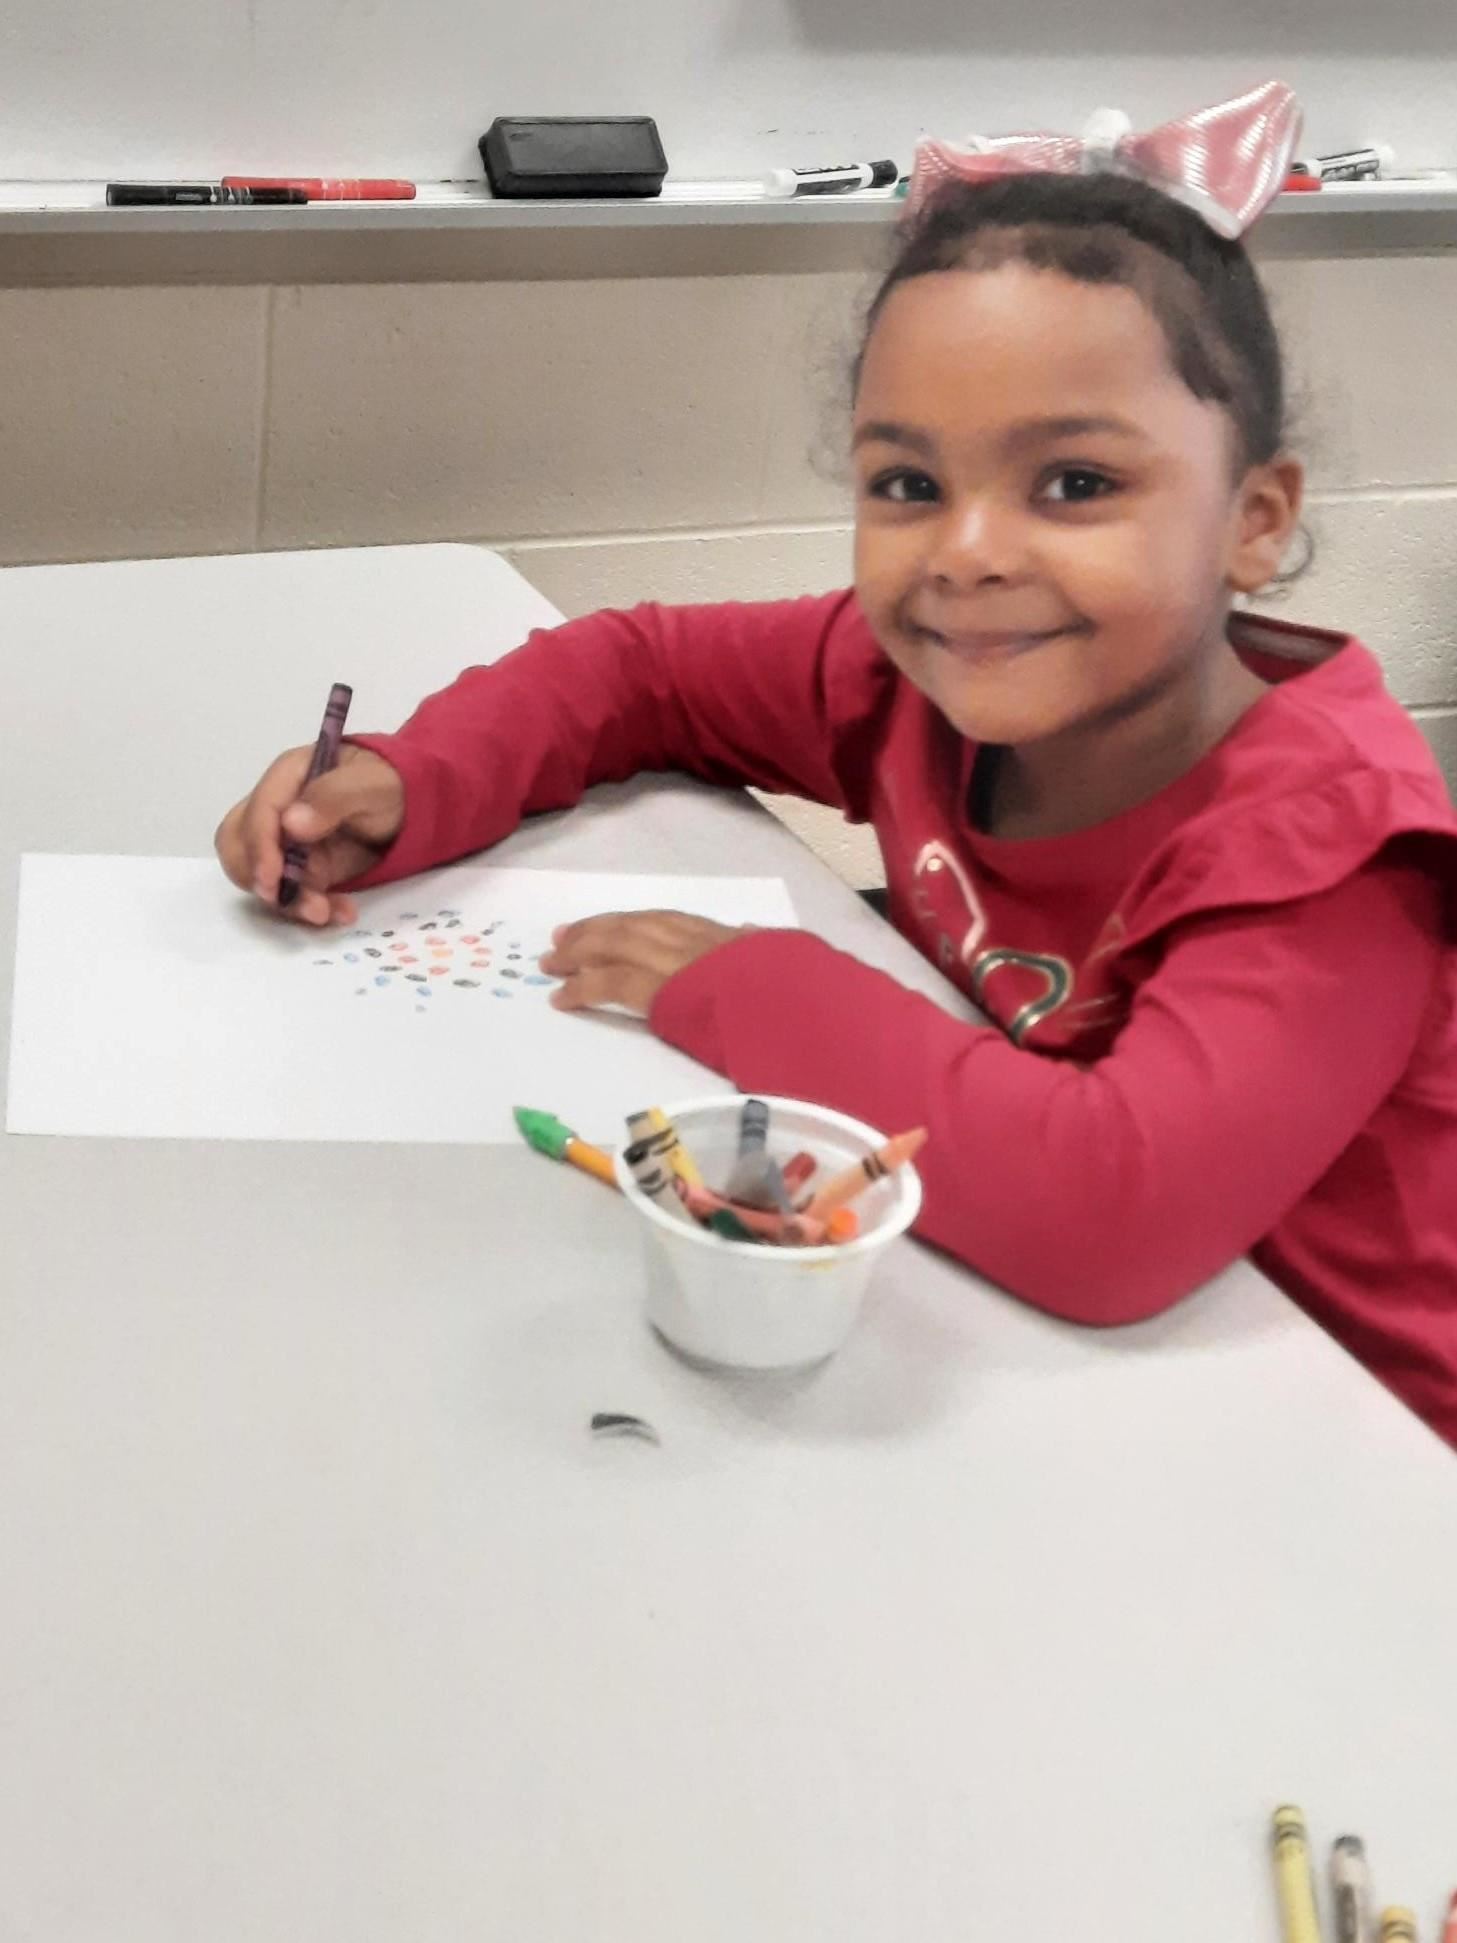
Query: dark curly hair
point(1203, 291)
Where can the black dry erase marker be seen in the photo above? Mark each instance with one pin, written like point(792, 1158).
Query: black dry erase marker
point(326, 754)
point(173, 195)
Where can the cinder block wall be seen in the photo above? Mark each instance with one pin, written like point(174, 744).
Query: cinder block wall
point(670, 437)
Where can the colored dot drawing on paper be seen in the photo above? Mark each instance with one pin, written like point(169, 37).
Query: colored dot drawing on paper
point(422, 953)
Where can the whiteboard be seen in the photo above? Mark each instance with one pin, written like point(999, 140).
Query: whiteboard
point(98, 88)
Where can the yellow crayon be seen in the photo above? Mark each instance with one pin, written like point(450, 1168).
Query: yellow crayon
point(654, 1126)
point(1397, 1926)
point(1294, 1884)
point(659, 1183)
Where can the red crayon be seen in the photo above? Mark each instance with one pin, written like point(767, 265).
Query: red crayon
point(328, 188)
point(799, 1171)
point(1449, 1934)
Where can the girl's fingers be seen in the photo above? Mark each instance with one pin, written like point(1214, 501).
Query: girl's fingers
point(228, 842)
point(260, 820)
point(345, 817)
point(334, 862)
point(585, 942)
point(362, 793)
point(323, 907)
point(325, 865)
point(312, 907)
point(640, 938)
point(626, 958)
point(606, 985)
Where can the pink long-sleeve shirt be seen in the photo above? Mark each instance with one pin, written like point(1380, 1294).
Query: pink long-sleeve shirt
point(1225, 1021)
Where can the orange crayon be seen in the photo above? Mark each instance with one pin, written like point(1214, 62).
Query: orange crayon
point(844, 1187)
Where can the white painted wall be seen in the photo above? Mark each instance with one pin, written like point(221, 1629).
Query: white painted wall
point(649, 437)
point(94, 88)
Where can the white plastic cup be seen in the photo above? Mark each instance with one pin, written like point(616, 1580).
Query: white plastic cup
point(745, 1305)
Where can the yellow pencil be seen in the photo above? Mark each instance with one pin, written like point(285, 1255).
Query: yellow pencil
point(548, 1136)
point(1398, 1926)
point(1294, 1884)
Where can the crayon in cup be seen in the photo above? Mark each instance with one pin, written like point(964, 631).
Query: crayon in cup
point(725, 1223)
point(1294, 1885)
point(792, 1230)
point(798, 1171)
point(654, 1126)
point(753, 1128)
point(757, 1180)
point(746, 1182)
point(656, 1179)
point(1351, 1890)
point(844, 1187)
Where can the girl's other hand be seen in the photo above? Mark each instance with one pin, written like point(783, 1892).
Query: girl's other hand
point(626, 957)
point(348, 818)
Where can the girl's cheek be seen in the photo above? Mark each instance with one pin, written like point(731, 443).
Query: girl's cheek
point(1119, 570)
point(886, 561)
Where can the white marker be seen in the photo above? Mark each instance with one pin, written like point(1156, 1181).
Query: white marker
point(830, 182)
point(1351, 165)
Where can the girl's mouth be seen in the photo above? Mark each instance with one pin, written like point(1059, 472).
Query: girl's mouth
point(987, 646)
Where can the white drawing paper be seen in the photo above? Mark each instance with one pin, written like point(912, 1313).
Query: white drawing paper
point(152, 1000)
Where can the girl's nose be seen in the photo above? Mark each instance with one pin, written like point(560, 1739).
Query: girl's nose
point(974, 542)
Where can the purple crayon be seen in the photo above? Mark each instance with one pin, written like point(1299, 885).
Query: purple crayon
point(326, 754)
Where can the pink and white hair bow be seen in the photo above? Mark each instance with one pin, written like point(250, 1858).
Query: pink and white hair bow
point(1226, 163)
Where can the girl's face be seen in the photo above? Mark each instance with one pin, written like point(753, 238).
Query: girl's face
point(1048, 522)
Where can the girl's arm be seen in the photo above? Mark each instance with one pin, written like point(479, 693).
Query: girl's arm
point(1254, 1055)
point(784, 695)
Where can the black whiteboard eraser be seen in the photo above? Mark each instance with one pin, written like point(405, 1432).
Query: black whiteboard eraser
point(574, 155)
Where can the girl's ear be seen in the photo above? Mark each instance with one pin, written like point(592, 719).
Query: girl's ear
point(1266, 516)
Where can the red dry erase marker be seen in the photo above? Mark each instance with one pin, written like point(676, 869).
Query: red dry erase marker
point(327, 188)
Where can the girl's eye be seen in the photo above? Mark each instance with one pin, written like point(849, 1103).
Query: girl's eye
point(1072, 485)
point(904, 487)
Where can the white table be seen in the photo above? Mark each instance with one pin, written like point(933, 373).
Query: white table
point(322, 1616)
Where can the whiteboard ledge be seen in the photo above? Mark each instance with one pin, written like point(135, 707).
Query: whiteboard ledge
point(63, 233)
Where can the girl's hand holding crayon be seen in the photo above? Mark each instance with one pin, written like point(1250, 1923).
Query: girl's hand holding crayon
point(626, 957)
point(346, 817)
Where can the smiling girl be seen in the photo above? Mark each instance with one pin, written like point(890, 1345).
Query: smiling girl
point(1197, 868)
